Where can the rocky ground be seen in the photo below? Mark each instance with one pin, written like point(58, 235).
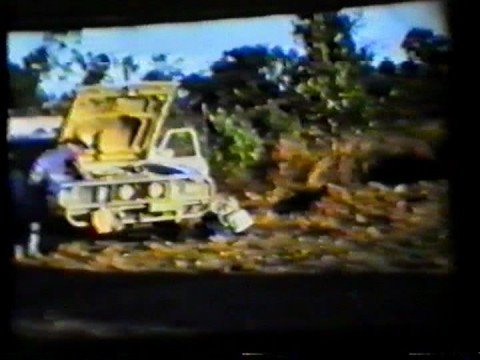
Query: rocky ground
point(369, 228)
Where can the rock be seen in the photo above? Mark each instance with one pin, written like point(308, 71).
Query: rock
point(210, 263)
point(218, 238)
point(379, 186)
point(273, 260)
point(402, 205)
point(181, 264)
point(402, 188)
point(338, 192)
point(328, 260)
point(361, 219)
point(342, 243)
point(276, 269)
point(357, 256)
point(324, 240)
point(373, 232)
point(306, 239)
point(154, 245)
point(253, 196)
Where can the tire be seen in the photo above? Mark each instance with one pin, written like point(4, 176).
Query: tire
point(213, 226)
point(168, 230)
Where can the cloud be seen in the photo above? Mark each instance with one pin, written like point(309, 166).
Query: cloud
point(384, 27)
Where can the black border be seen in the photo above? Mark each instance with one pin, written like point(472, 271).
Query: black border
point(459, 331)
point(58, 15)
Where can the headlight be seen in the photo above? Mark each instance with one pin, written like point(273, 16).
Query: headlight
point(102, 194)
point(155, 190)
point(126, 192)
point(63, 196)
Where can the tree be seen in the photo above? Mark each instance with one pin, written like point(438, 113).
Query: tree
point(58, 58)
point(409, 68)
point(241, 102)
point(331, 87)
point(424, 46)
point(129, 66)
point(96, 69)
point(422, 90)
point(24, 87)
point(163, 69)
point(387, 67)
point(246, 76)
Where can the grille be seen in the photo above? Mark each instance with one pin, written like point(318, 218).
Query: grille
point(85, 194)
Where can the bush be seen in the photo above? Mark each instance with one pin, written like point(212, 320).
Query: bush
point(237, 147)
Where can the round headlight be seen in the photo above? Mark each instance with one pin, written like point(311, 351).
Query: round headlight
point(63, 197)
point(156, 190)
point(126, 192)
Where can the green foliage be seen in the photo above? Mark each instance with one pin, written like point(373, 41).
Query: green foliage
point(268, 95)
point(332, 91)
point(182, 144)
point(271, 121)
point(236, 147)
point(242, 101)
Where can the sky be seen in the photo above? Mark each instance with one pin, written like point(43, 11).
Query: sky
point(384, 27)
point(199, 44)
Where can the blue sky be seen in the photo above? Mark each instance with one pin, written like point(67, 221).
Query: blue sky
point(384, 27)
point(200, 43)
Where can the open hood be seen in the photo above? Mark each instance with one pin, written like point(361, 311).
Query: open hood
point(118, 124)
